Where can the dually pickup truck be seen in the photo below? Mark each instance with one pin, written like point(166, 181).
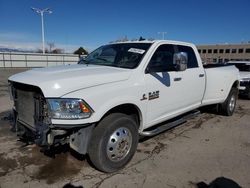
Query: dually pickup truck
point(119, 92)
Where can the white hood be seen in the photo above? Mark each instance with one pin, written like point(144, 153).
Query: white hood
point(60, 80)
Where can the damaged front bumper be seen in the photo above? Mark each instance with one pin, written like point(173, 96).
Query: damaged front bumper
point(48, 136)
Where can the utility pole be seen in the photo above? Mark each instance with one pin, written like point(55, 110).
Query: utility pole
point(163, 33)
point(41, 12)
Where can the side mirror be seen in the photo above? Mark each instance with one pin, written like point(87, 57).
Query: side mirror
point(180, 61)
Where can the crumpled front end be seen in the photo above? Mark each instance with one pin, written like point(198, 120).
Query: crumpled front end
point(33, 122)
point(31, 114)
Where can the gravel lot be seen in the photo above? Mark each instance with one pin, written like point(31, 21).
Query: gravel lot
point(204, 148)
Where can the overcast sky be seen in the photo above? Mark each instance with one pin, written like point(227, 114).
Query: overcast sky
point(92, 23)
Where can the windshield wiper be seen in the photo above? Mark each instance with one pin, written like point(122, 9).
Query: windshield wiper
point(83, 61)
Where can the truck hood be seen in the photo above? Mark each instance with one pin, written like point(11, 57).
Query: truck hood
point(60, 80)
point(244, 74)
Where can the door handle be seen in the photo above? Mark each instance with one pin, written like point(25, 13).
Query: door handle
point(177, 79)
point(201, 75)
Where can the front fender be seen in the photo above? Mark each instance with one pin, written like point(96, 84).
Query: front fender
point(105, 108)
point(104, 98)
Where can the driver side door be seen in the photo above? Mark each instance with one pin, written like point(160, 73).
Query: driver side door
point(171, 92)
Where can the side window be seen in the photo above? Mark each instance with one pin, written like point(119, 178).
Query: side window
point(192, 60)
point(162, 60)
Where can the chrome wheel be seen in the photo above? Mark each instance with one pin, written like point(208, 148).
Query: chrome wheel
point(119, 144)
point(113, 142)
point(232, 103)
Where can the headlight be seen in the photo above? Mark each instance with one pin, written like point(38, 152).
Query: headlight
point(69, 109)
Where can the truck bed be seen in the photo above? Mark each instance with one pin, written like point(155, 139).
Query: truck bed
point(218, 73)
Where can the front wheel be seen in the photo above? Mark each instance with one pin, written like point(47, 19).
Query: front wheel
point(228, 107)
point(113, 142)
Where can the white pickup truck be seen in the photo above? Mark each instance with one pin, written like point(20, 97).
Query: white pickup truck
point(120, 91)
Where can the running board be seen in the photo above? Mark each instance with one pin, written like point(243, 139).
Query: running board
point(170, 124)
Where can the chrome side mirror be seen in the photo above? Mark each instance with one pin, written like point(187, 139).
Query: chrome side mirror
point(180, 61)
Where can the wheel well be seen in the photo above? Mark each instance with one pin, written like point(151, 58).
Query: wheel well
point(128, 109)
point(235, 84)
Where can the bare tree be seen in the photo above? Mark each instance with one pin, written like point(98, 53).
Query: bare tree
point(122, 39)
point(57, 51)
point(51, 46)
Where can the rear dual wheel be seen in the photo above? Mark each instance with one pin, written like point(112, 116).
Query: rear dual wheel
point(113, 142)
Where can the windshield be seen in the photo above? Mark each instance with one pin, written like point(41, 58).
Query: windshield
point(242, 66)
point(123, 55)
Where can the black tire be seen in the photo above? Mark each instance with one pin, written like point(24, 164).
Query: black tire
point(105, 134)
point(227, 108)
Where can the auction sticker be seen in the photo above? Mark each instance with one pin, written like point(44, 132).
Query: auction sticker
point(136, 50)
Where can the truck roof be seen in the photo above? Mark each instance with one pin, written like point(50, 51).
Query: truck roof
point(156, 41)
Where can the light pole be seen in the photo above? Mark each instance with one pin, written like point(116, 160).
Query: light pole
point(41, 12)
point(162, 33)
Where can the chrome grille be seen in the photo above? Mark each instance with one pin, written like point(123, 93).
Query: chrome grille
point(25, 107)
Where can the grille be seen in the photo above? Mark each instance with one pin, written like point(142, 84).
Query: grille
point(29, 104)
point(25, 107)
